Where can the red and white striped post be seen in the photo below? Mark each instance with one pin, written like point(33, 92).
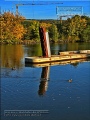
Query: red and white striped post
point(45, 45)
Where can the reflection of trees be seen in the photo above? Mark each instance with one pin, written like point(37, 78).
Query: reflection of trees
point(44, 80)
point(71, 47)
point(56, 48)
point(34, 50)
point(11, 55)
point(75, 64)
point(77, 46)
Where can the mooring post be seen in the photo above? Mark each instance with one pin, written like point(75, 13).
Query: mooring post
point(45, 45)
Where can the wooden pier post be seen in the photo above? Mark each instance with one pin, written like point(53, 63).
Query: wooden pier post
point(44, 38)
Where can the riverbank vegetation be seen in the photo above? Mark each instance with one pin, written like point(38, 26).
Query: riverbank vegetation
point(17, 29)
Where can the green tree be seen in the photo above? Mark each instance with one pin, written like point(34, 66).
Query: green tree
point(53, 33)
point(75, 27)
point(32, 27)
point(86, 34)
point(87, 19)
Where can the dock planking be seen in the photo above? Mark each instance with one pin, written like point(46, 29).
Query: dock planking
point(68, 55)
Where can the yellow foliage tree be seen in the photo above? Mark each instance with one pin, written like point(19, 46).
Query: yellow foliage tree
point(11, 27)
point(45, 25)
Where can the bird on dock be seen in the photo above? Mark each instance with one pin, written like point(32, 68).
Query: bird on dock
point(70, 80)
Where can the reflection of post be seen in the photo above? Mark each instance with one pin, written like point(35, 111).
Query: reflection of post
point(44, 80)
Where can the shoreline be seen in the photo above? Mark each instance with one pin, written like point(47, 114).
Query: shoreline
point(26, 42)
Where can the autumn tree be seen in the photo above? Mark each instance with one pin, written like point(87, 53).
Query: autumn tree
point(15, 28)
point(45, 25)
point(11, 28)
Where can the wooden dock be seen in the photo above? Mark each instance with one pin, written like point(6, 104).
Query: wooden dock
point(46, 53)
point(56, 63)
point(67, 55)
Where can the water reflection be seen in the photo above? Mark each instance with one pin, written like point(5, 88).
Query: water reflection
point(33, 50)
point(56, 48)
point(63, 99)
point(45, 74)
point(44, 80)
point(12, 56)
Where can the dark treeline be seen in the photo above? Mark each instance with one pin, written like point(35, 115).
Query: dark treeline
point(16, 29)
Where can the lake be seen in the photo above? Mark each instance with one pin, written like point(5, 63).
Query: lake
point(56, 92)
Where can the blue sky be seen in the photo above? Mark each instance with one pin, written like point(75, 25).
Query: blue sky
point(46, 11)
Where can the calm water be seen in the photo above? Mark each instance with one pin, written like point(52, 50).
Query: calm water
point(44, 88)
